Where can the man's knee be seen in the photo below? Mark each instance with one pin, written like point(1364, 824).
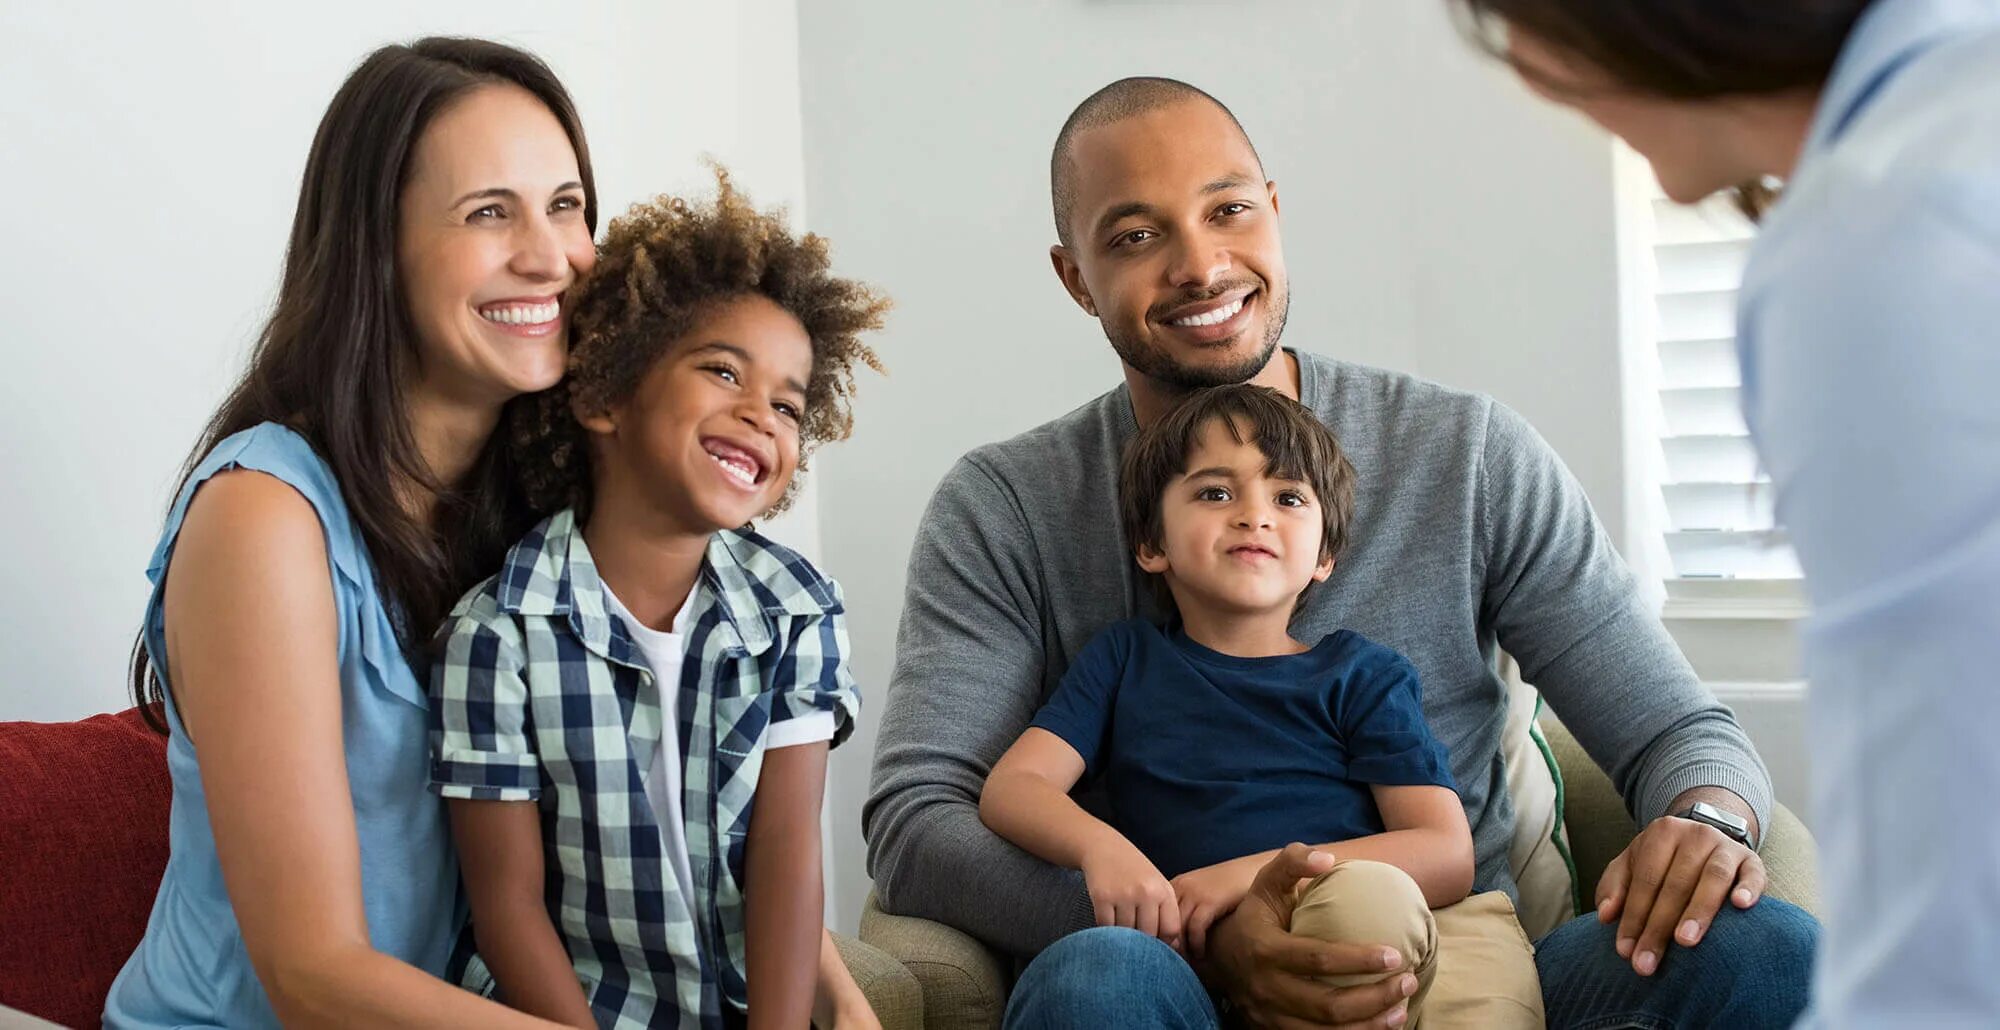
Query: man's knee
point(1769, 946)
point(1362, 902)
point(1752, 968)
point(1771, 938)
point(1108, 976)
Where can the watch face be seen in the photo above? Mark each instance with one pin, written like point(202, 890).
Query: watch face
point(1728, 822)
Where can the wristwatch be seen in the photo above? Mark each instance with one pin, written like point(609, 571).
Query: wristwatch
point(1733, 826)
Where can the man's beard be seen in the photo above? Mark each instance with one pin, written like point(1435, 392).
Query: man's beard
point(1157, 364)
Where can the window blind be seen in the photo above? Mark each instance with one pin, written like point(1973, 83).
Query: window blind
point(1721, 528)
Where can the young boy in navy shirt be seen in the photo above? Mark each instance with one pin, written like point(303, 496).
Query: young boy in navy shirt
point(1218, 739)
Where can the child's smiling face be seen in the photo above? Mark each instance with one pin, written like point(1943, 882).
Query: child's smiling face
point(1234, 538)
point(711, 434)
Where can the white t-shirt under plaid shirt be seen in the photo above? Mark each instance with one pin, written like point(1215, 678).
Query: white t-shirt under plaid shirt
point(540, 693)
point(664, 651)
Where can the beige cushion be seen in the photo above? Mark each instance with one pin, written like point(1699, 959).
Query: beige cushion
point(892, 990)
point(1539, 854)
point(964, 984)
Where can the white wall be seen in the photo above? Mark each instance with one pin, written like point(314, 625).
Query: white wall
point(152, 164)
point(153, 161)
point(1436, 220)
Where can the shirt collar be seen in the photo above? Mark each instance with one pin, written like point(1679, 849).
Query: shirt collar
point(756, 582)
point(1887, 36)
point(550, 573)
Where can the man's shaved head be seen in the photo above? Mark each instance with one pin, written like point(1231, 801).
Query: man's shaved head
point(1126, 98)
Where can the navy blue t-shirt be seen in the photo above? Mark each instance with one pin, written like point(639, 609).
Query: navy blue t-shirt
point(1206, 757)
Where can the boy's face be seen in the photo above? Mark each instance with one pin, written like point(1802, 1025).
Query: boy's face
point(711, 435)
point(1234, 540)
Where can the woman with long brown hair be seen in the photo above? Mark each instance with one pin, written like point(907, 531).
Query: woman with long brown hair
point(1869, 340)
point(347, 490)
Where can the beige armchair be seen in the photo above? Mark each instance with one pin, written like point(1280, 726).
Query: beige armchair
point(950, 981)
point(893, 991)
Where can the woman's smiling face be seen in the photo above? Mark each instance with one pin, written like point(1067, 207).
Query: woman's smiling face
point(490, 233)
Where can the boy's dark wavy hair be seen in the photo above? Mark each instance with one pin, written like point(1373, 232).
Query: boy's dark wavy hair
point(1295, 444)
point(662, 265)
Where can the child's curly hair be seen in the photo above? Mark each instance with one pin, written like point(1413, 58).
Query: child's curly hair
point(662, 264)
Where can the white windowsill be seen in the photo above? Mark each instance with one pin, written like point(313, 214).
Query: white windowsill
point(1759, 689)
point(1783, 599)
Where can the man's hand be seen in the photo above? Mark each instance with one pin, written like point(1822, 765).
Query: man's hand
point(1126, 890)
point(1270, 975)
point(1670, 884)
point(1211, 892)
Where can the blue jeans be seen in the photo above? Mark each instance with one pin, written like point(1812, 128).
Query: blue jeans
point(1108, 977)
point(1751, 971)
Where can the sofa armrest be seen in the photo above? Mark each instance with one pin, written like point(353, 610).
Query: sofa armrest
point(892, 990)
point(12, 1019)
point(1791, 860)
point(964, 983)
point(1599, 829)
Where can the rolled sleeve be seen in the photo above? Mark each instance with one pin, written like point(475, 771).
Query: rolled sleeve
point(814, 681)
point(482, 744)
point(810, 728)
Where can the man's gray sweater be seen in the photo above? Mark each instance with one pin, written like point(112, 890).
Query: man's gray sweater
point(1468, 533)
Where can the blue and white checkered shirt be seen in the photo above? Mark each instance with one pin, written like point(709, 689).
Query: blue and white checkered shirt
point(541, 695)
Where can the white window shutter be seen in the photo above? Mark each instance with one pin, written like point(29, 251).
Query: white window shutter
point(1704, 529)
point(1718, 500)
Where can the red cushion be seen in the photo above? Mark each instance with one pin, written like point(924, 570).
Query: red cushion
point(83, 842)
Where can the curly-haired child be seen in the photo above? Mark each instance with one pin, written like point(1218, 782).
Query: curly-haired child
point(631, 720)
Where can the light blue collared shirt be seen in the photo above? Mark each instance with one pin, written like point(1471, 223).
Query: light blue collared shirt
point(1870, 342)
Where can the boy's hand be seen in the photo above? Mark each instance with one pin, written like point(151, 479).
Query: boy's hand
point(1211, 892)
point(838, 1003)
point(1126, 890)
point(845, 1013)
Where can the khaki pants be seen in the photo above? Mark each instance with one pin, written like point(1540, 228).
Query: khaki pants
point(1474, 965)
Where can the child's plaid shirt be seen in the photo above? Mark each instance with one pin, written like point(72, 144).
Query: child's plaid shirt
point(540, 695)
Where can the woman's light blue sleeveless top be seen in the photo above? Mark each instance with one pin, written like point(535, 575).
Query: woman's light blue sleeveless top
point(191, 968)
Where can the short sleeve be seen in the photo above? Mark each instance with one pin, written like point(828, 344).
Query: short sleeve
point(482, 747)
point(810, 728)
point(813, 679)
point(1080, 709)
point(1382, 719)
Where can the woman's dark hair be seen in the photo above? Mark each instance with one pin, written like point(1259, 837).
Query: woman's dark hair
point(331, 362)
point(1680, 49)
